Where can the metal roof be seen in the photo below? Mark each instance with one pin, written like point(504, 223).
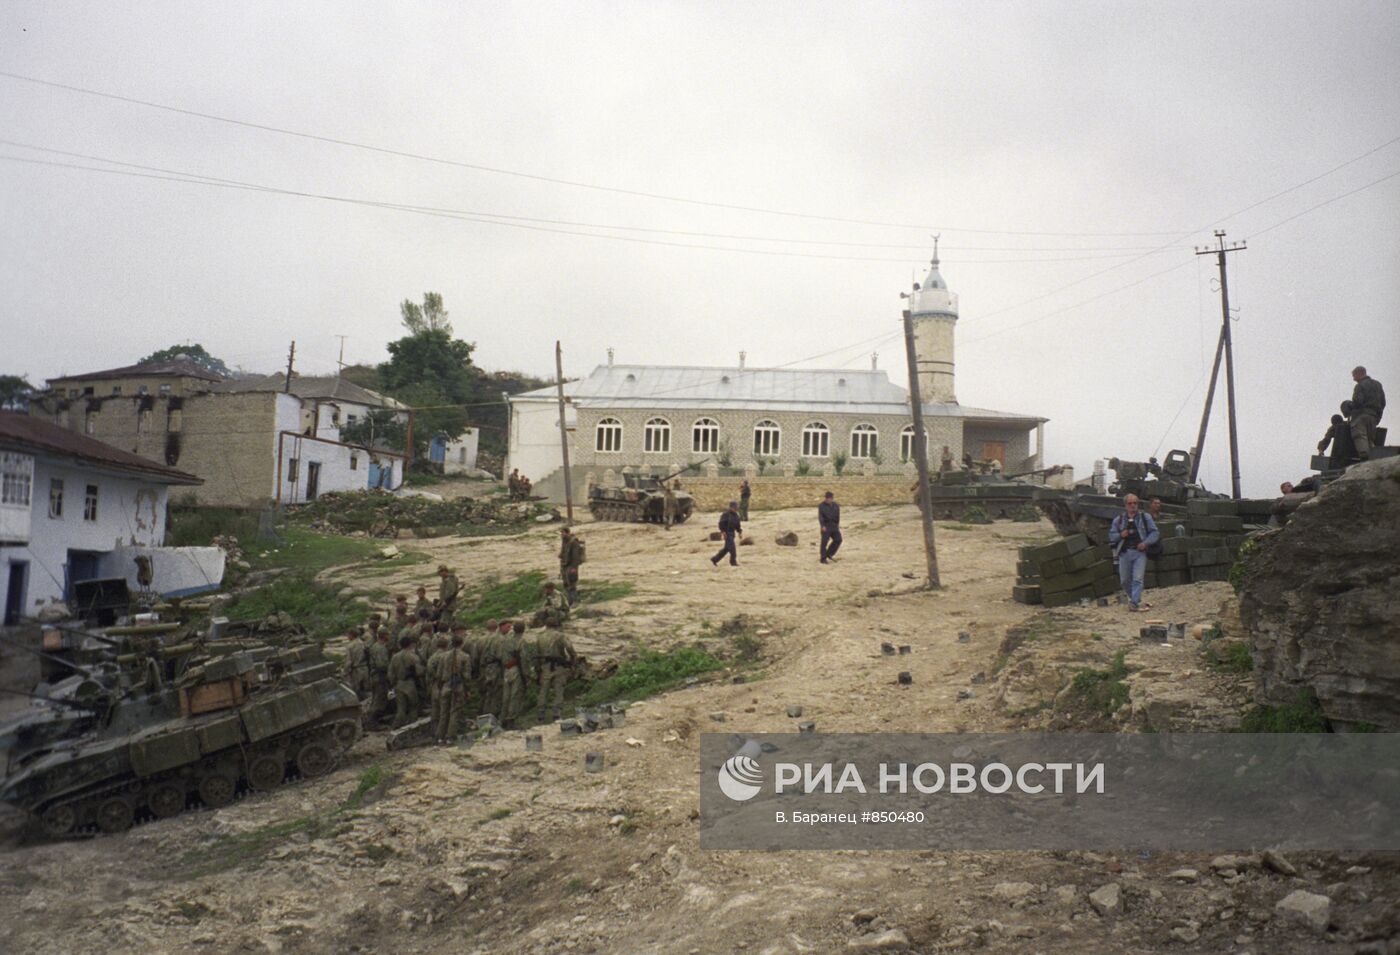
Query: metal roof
point(324, 387)
point(31, 435)
point(813, 391)
point(177, 367)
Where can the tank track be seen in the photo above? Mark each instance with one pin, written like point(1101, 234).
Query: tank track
point(623, 512)
point(216, 780)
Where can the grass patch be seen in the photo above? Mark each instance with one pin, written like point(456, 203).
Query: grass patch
point(498, 814)
point(249, 849)
point(421, 478)
point(383, 568)
point(649, 673)
point(309, 551)
point(198, 526)
point(1240, 568)
point(376, 777)
point(1102, 691)
point(1233, 657)
point(573, 886)
point(496, 599)
point(1304, 716)
point(311, 604)
point(605, 590)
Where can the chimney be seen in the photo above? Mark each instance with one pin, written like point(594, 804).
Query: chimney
point(610, 357)
point(742, 356)
point(874, 361)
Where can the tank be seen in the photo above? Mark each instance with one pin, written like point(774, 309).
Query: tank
point(951, 493)
point(1081, 511)
point(120, 741)
point(639, 499)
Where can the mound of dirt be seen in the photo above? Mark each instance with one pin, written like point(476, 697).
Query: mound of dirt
point(382, 514)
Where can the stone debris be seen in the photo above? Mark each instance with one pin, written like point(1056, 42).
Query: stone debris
point(964, 637)
point(887, 649)
point(806, 727)
point(634, 742)
point(890, 940)
point(1012, 891)
point(593, 762)
point(1306, 908)
point(905, 678)
point(1184, 875)
point(905, 649)
point(967, 695)
point(1272, 860)
point(1107, 900)
point(717, 717)
point(794, 711)
point(534, 743)
point(787, 539)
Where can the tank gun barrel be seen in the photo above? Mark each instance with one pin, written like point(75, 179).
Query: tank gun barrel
point(693, 466)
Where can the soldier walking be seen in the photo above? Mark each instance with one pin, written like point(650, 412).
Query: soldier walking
point(571, 557)
point(729, 528)
point(829, 517)
point(556, 661)
point(448, 589)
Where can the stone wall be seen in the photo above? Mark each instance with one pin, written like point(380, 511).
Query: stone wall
point(772, 493)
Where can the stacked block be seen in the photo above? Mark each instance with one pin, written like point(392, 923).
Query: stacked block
point(1063, 572)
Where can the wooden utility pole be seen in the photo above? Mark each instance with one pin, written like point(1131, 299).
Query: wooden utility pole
point(291, 357)
point(564, 435)
point(408, 441)
point(921, 452)
point(1222, 347)
point(340, 362)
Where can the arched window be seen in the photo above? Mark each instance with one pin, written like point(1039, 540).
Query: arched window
point(864, 438)
point(767, 438)
point(656, 438)
point(816, 440)
point(906, 443)
point(609, 436)
point(704, 437)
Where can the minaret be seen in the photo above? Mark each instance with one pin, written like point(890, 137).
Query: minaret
point(934, 311)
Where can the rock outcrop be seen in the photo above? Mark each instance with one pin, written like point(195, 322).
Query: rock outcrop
point(1320, 601)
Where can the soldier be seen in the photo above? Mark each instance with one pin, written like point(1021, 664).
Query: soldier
point(488, 653)
point(946, 462)
point(668, 506)
point(454, 667)
point(1339, 437)
point(556, 662)
point(401, 622)
point(423, 604)
point(433, 669)
point(729, 528)
point(511, 648)
point(1367, 406)
point(553, 604)
point(571, 557)
point(745, 492)
point(357, 666)
point(513, 483)
point(448, 588)
point(379, 660)
point(405, 673)
point(424, 641)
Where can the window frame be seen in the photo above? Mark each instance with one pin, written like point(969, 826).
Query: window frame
point(816, 432)
point(653, 429)
point(90, 497)
point(867, 436)
point(607, 436)
point(16, 482)
point(56, 498)
point(705, 431)
point(907, 436)
point(767, 439)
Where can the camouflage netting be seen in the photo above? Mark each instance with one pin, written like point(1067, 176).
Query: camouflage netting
point(382, 514)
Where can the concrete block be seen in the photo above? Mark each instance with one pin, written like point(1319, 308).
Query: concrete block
point(570, 728)
point(1173, 578)
point(1209, 507)
point(887, 649)
point(1026, 593)
point(905, 678)
point(593, 762)
point(964, 636)
point(1105, 587)
point(794, 711)
point(534, 743)
point(806, 727)
point(1178, 561)
point(1217, 523)
point(905, 649)
point(1067, 597)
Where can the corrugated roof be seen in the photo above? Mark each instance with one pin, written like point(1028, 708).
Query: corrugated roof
point(811, 391)
point(178, 367)
point(31, 435)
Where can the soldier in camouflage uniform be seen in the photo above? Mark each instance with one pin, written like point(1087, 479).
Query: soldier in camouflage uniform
point(433, 670)
point(423, 603)
point(556, 659)
point(553, 604)
point(405, 674)
point(489, 669)
point(454, 668)
point(357, 666)
point(379, 660)
point(448, 589)
point(511, 648)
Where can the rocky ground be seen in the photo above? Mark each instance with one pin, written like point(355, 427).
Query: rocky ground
point(494, 849)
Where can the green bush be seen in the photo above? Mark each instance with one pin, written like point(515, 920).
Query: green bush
point(838, 461)
point(1240, 567)
point(198, 526)
point(804, 467)
point(312, 605)
point(649, 673)
point(1304, 716)
point(1102, 691)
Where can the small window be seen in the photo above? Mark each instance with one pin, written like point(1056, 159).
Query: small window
point(116, 391)
point(73, 392)
point(142, 390)
point(349, 420)
point(292, 470)
point(56, 497)
point(767, 438)
point(609, 436)
point(704, 437)
point(90, 423)
point(90, 503)
point(864, 439)
point(175, 420)
point(657, 436)
point(462, 456)
point(906, 443)
point(816, 440)
point(164, 389)
point(88, 391)
point(354, 462)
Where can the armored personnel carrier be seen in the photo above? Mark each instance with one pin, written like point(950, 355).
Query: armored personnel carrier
point(951, 493)
point(113, 743)
point(639, 499)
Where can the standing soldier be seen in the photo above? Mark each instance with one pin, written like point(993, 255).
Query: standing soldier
point(729, 528)
point(668, 506)
point(433, 669)
point(1367, 406)
point(744, 493)
point(513, 483)
point(946, 463)
point(512, 653)
point(488, 651)
point(829, 517)
point(379, 661)
point(448, 588)
point(357, 666)
point(556, 662)
point(571, 557)
point(401, 623)
point(405, 673)
point(455, 667)
point(423, 604)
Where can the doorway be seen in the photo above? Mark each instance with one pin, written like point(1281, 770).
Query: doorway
point(994, 451)
point(82, 565)
point(14, 593)
point(313, 479)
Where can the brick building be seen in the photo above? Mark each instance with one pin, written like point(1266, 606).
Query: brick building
point(662, 418)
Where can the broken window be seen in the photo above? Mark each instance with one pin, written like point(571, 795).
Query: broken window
point(56, 497)
point(90, 503)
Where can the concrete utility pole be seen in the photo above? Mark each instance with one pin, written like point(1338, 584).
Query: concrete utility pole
point(564, 435)
point(291, 356)
point(1222, 347)
point(921, 452)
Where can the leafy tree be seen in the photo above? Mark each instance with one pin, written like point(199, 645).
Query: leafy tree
point(366, 376)
point(14, 392)
point(428, 317)
point(194, 353)
point(381, 428)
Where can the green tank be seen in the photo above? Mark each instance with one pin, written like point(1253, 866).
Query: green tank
point(951, 493)
point(639, 499)
point(113, 744)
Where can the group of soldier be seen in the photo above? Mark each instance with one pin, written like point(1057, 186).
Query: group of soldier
point(433, 664)
point(519, 485)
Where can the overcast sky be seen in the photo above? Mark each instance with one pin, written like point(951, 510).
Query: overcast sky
point(1068, 153)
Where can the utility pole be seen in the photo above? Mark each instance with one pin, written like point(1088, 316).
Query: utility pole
point(1223, 347)
point(341, 360)
point(408, 441)
point(564, 435)
point(291, 356)
point(921, 452)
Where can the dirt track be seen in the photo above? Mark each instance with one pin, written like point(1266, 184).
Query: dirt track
point(493, 849)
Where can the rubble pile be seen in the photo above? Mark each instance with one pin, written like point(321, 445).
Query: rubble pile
point(233, 551)
point(382, 514)
point(1318, 598)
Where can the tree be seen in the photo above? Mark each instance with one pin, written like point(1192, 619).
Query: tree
point(381, 428)
point(15, 391)
point(194, 353)
point(428, 317)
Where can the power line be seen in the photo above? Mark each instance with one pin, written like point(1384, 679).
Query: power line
point(477, 167)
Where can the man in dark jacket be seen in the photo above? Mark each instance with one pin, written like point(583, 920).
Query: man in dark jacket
point(729, 528)
point(829, 517)
point(1367, 405)
point(1339, 437)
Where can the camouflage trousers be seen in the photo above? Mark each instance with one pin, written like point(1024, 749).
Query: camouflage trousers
point(438, 697)
point(512, 693)
point(553, 679)
point(452, 713)
point(406, 699)
point(358, 680)
point(490, 687)
point(380, 697)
